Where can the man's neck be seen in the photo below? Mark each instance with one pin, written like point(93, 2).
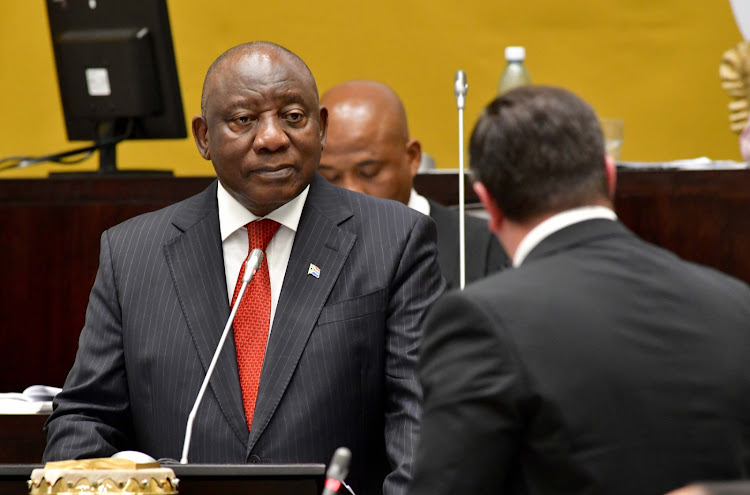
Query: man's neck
point(520, 238)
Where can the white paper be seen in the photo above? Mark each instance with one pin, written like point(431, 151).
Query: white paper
point(97, 82)
point(702, 163)
point(33, 400)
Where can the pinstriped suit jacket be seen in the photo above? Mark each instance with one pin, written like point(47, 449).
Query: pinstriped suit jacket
point(340, 363)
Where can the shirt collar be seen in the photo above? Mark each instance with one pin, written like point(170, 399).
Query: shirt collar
point(558, 222)
point(419, 203)
point(233, 216)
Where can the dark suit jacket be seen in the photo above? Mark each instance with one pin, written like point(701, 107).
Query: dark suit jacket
point(484, 254)
point(601, 365)
point(340, 366)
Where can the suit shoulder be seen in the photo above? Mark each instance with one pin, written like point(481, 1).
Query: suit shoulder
point(447, 218)
point(195, 206)
point(371, 205)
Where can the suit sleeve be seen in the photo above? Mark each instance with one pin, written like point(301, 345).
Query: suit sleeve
point(472, 396)
point(81, 427)
point(416, 285)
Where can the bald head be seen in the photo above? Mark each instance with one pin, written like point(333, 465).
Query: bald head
point(368, 148)
point(368, 103)
point(261, 126)
point(257, 49)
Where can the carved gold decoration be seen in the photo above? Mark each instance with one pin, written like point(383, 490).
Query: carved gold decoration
point(100, 476)
point(734, 72)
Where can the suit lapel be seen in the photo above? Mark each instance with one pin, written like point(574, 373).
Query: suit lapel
point(447, 242)
point(319, 240)
point(196, 262)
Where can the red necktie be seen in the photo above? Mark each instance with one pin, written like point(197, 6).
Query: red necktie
point(251, 323)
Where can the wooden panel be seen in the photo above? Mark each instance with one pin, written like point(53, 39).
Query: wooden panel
point(49, 254)
point(50, 231)
point(21, 438)
point(703, 216)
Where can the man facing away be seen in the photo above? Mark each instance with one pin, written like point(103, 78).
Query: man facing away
point(600, 364)
point(323, 351)
point(368, 149)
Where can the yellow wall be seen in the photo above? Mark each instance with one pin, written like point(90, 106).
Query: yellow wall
point(653, 63)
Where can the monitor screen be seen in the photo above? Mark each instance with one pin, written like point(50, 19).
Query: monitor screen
point(116, 69)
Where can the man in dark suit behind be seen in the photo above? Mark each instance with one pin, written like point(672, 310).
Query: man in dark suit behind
point(368, 149)
point(346, 280)
point(600, 364)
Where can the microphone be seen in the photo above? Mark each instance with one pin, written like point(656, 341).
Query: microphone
point(337, 470)
point(460, 87)
point(251, 266)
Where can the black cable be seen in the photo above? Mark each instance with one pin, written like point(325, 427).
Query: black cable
point(60, 158)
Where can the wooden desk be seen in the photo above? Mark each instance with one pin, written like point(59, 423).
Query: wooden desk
point(51, 228)
point(200, 479)
point(22, 438)
point(703, 216)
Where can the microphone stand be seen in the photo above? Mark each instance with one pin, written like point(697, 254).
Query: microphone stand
point(460, 86)
point(251, 266)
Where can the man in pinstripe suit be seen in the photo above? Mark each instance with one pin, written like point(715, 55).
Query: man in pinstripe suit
point(339, 365)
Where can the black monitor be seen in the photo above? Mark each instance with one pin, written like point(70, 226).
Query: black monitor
point(116, 72)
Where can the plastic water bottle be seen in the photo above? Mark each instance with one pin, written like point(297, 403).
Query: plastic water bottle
point(515, 73)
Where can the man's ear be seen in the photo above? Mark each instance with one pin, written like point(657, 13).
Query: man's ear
point(200, 134)
point(323, 125)
point(497, 218)
point(611, 171)
point(414, 154)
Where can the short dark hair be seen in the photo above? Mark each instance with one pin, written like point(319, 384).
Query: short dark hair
point(247, 48)
point(539, 150)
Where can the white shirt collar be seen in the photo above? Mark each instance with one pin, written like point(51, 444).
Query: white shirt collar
point(558, 222)
point(419, 203)
point(233, 216)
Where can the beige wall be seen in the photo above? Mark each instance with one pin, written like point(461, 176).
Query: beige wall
point(653, 63)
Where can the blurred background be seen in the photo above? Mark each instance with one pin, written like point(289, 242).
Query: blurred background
point(652, 64)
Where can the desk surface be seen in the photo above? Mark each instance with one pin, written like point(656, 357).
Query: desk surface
point(195, 479)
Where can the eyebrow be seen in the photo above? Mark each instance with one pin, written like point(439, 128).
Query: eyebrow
point(366, 163)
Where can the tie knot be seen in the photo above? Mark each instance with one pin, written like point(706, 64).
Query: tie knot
point(260, 233)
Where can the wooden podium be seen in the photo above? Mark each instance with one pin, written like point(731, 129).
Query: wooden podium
point(201, 479)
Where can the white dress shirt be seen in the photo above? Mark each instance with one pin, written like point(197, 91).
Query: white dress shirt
point(558, 222)
point(419, 203)
point(232, 220)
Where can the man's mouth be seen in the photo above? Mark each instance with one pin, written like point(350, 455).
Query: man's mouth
point(274, 173)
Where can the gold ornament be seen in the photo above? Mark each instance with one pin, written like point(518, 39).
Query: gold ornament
point(734, 72)
point(100, 476)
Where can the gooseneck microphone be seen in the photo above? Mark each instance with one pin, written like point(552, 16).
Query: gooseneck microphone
point(337, 470)
point(251, 266)
point(460, 87)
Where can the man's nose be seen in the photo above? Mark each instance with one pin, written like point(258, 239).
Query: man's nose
point(271, 135)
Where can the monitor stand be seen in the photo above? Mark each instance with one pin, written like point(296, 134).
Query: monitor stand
point(106, 145)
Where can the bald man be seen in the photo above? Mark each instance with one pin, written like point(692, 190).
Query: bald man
point(368, 149)
point(324, 346)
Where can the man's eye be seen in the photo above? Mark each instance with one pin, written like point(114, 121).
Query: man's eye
point(295, 116)
point(243, 119)
point(369, 171)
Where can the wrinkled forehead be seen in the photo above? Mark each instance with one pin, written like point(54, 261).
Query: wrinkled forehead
point(263, 69)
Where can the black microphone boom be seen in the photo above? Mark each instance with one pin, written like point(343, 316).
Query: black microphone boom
point(251, 266)
point(337, 470)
